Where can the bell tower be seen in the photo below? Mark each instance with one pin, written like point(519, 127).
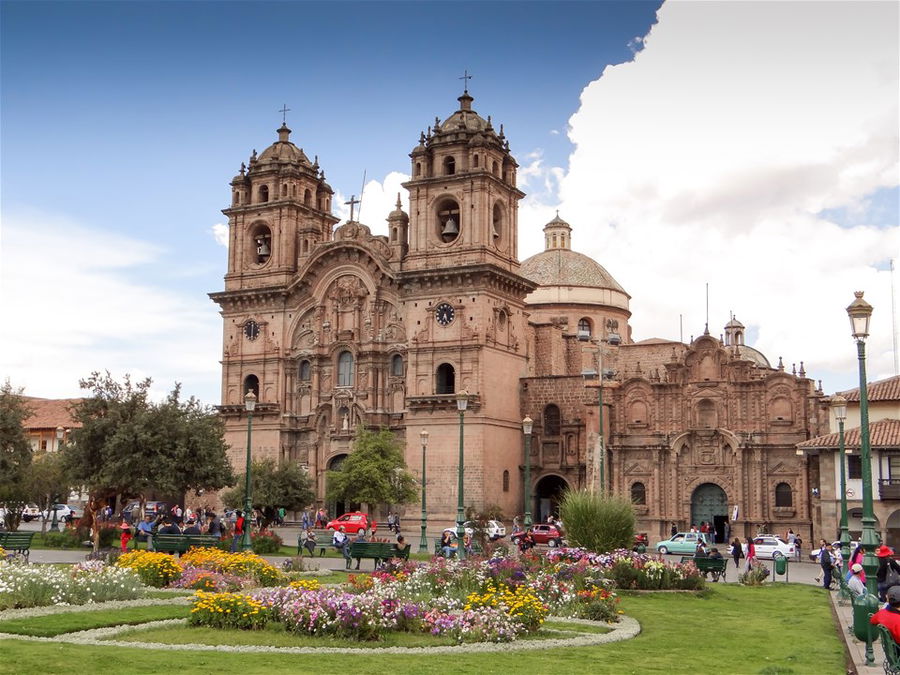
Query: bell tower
point(464, 300)
point(463, 194)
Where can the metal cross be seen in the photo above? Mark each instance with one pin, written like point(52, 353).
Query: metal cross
point(353, 201)
point(466, 77)
point(284, 111)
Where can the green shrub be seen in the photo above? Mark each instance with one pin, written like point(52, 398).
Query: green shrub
point(266, 542)
point(597, 522)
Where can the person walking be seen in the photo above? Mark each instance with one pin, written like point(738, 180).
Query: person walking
point(751, 553)
point(737, 552)
point(304, 520)
point(238, 531)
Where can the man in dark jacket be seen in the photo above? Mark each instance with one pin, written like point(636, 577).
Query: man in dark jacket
point(826, 560)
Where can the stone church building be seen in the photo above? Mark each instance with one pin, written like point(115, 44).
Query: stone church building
point(333, 327)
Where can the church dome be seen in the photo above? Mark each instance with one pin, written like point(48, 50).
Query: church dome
point(751, 354)
point(283, 151)
point(564, 267)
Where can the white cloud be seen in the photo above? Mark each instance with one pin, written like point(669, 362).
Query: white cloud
point(219, 231)
point(91, 300)
point(708, 157)
point(379, 198)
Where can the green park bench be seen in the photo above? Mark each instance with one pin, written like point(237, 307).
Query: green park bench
point(323, 543)
point(476, 549)
point(377, 551)
point(180, 543)
point(891, 661)
point(17, 542)
point(712, 566)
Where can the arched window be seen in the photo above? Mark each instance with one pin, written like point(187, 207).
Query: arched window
point(397, 366)
point(505, 476)
point(584, 327)
point(251, 383)
point(448, 220)
point(495, 169)
point(638, 494)
point(345, 370)
point(784, 496)
point(449, 166)
point(446, 379)
point(551, 420)
point(780, 409)
point(284, 190)
point(263, 193)
point(475, 161)
point(305, 371)
point(638, 413)
point(236, 197)
point(497, 221)
point(262, 244)
point(307, 198)
point(418, 168)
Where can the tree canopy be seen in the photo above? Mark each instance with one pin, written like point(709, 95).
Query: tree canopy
point(272, 487)
point(130, 446)
point(15, 453)
point(374, 473)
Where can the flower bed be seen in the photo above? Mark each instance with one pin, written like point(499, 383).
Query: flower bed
point(206, 569)
point(629, 570)
point(154, 569)
point(89, 582)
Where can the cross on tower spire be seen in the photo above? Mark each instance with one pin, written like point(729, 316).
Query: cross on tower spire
point(466, 77)
point(353, 202)
point(284, 111)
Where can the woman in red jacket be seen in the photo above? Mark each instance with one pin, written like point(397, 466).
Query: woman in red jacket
point(751, 553)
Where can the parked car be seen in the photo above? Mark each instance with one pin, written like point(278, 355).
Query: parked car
point(150, 509)
point(31, 512)
point(771, 546)
point(543, 533)
point(63, 512)
point(494, 529)
point(353, 523)
point(684, 543)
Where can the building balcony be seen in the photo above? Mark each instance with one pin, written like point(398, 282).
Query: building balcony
point(889, 488)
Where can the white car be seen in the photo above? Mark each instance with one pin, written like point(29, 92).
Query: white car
point(493, 528)
point(31, 512)
point(770, 546)
point(63, 512)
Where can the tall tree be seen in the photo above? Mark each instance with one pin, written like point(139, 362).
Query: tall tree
point(374, 473)
point(272, 487)
point(130, 447)
point(15, 453)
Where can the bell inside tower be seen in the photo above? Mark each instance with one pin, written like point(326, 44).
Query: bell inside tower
point(448, 221)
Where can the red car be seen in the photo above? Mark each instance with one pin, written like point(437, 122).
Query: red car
point(353, 523)
point(544, 533)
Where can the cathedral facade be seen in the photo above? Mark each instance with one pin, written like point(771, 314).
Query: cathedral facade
point(333, 327)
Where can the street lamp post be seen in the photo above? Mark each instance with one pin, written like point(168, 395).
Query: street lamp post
point(860, 312)
point(423, 543)
point(462, 402)
point(250, 405)
point(54, 525)
point(527, 425)
point(839, 406)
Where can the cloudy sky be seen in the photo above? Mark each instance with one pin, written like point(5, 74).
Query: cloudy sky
point(750, 146)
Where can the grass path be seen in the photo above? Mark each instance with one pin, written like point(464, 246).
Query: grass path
point(775, 629)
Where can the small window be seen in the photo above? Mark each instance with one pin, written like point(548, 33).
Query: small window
point(264, 193)
point(446, 379)
point(551, 420)
point(638, 494)
point(397, 366)
point(584, 327)
point(475, 161)
point(505, 473)
point(449, 166)
point(345, 370)
point(495, 169)
point(251, 383)
point(783, 495)
point(284, 189)
point(497, 221)
point(307, 198)
point(43, 445)
point(305, 371)
point(854, 466)
point(418, 168)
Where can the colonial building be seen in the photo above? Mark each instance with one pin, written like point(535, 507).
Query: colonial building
point(333, 327)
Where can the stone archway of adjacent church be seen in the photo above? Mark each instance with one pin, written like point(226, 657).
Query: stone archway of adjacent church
point(336, 508)
point(892, 530)
point(709, 503)
point(547, 495)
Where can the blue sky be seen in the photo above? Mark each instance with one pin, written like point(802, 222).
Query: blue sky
point(124, 122)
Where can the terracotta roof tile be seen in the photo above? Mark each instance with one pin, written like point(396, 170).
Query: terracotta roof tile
point(882, 434)
point(883, 390)
point(49, 413)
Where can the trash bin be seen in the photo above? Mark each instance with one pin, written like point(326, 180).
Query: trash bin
point(640, 548)
point(781, 564)
point(863, 605)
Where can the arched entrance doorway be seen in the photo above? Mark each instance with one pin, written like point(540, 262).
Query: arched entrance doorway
point(710, 504)
point(338, 508)
point(547, 495)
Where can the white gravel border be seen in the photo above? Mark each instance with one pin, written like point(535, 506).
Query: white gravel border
point(626, 629)
point(93, 606)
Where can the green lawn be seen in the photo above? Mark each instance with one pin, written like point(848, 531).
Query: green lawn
point(774, 629)
point(55, 624)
